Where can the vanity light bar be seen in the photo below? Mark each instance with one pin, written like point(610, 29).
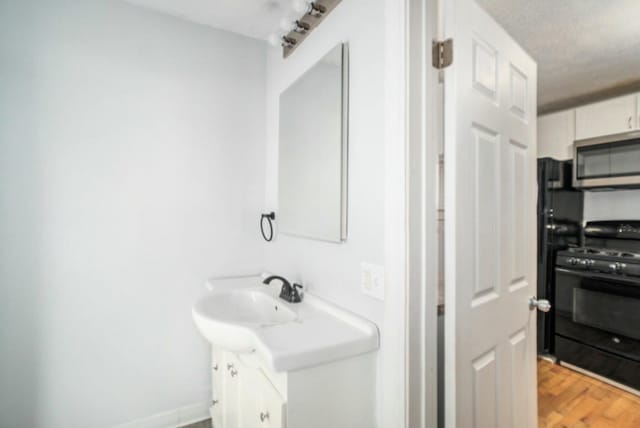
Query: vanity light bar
point(316, 12)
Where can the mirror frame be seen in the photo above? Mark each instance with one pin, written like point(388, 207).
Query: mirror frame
point(345, 141)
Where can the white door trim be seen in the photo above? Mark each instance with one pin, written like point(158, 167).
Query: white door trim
point(423, 113)
point(392, 385)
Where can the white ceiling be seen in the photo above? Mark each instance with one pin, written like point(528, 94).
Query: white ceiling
point(253, 18)
point(585, 49)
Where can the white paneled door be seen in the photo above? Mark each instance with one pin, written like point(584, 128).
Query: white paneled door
point(490, 197)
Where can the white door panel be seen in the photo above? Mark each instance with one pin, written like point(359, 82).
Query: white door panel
point(217, 388)
point(267, 407)
point(490, 196)
point(232, 393)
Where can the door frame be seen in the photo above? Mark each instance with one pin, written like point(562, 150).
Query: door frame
point(424, 134)
point(425, 127)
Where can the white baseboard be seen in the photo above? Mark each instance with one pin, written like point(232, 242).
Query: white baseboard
point(173, 418)
point(601, 378)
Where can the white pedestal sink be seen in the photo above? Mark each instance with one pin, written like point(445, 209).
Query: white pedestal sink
point(286, 365)
point(229, 319)
point(242, 315)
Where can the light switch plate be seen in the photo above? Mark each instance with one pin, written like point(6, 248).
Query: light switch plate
point(372, 280)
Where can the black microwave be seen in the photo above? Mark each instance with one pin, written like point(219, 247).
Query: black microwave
point(608, 162)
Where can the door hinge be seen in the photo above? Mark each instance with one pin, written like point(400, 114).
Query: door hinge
point(442, 53)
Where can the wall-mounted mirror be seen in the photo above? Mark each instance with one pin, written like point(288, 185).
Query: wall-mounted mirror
point(312, 177)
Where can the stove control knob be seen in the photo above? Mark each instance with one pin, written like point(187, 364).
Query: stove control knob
point(617, 267)
point(572, 261)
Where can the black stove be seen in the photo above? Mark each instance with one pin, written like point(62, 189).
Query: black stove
point(597, 302)
point(601, 252)
point(604, 260)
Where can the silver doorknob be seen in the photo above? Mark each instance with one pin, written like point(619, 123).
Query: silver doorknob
point(543, 305)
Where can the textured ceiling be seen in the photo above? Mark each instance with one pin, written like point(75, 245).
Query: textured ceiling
point(253, 18)
point(585, 49)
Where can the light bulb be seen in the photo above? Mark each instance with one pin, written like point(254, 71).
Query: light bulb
point(302, 6)
point(275, 40)
point(288, 24)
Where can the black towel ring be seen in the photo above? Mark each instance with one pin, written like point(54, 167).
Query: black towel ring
point(270, 217)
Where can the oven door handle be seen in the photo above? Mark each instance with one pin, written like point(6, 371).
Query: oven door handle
point(607, 277)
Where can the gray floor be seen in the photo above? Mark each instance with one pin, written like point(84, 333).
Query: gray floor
point(202, 424)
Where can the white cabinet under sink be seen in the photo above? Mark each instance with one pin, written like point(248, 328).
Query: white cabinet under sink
point(608, 117)
point(217, 388)
point(242, 395)
point(247, 394)
point(277, 364)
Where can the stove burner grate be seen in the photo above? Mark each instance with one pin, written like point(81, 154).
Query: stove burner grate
point(603, 252)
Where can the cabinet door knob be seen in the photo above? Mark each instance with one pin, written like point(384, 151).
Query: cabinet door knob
point(229, 366)
point(215, 367)
point(233, 372)
point(264, 416)
point(214, 402)
point(629, 122)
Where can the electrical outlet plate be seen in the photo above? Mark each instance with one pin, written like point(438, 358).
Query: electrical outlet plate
point(372, 280)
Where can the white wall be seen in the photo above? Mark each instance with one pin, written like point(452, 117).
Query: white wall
point(616, 205)
point(328, 269)
point(375, 193)
point(131, 168)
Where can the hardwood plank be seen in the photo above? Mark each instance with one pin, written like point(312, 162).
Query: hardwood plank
point(202, 424)
point(568, 399)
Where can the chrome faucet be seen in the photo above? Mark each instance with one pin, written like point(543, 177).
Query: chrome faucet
point(288, 292)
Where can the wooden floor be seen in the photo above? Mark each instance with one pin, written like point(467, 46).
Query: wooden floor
point(203, 424)
point(568, 399)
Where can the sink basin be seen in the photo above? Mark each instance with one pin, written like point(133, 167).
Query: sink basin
point(242, 315)
point(228, 318)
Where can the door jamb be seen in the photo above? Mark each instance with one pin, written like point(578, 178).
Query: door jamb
point(424, 112)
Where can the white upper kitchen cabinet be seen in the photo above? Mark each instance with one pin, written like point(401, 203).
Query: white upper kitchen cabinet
point(556, 133)
point(607, 117)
